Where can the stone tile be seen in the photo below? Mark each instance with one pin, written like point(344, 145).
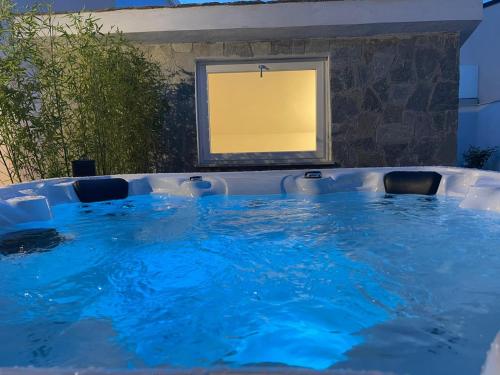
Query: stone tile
point(298, 46)
point(381, 87)
point(422, 124)
point(342, 79)
point(208, 49)
point(426, 62)
point(395, 133)
point(345, 51)
point(451, 122)
point(445, 97)
point(400, 93)
point(237, 49)
point(344, 108)
point(341, 130)
point(380, 64)
point(406, 48)
point(281, 47)
point(393, 113)
point(449, 67)
point(419, 100)
point(317, 46)
point(402, 71)
point(162, 53)
point(185, 62)
point(182, 47)
point(361, 75)
point(393, 153)
point(367, 125)
point(371, 102)
point(447, 151)
point(261, 48)
point(371, 158)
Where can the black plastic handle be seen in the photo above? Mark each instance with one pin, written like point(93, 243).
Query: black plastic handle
point(313, 174)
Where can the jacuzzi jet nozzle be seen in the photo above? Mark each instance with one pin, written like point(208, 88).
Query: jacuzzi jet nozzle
point(313, 174)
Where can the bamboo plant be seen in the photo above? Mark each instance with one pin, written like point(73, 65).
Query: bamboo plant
point(67, 90)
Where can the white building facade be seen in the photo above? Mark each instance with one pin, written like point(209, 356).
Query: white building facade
point(479, 114)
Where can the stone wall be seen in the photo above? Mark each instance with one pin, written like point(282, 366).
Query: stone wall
point(394, 99)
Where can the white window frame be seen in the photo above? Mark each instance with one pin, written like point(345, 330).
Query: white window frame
point(322, 155)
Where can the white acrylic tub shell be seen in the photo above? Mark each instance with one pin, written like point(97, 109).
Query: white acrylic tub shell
point(32, 201)
point(475, 189)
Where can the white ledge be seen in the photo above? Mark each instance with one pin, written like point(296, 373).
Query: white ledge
point(294, 20)
point(32, 201)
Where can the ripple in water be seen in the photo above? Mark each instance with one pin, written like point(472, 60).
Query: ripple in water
point(350, 280)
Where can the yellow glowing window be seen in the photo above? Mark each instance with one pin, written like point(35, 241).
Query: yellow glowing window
point(272, 113)
point(263, 112)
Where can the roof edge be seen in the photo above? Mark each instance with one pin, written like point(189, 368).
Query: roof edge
point(261, 20)
point(196, 5)
point(491, 3)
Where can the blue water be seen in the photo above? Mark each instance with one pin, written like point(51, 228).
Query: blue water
point(349, 280)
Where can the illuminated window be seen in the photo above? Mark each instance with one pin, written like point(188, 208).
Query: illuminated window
point(263, 112)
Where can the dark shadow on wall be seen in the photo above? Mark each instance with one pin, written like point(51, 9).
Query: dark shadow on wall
point(177, 145)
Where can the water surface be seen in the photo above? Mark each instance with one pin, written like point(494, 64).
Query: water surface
point(349, 280)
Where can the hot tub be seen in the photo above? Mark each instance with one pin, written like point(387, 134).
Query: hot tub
point(253, 269)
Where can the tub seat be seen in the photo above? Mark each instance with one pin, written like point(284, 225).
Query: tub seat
point(30, 240)
point(483, 195)
point(30, 208)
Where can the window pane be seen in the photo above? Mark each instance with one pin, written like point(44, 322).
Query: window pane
point(272, 113)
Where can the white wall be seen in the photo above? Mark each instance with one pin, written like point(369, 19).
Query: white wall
point(480, 126)
point(469, 78)
point(483, 49)
point(479, 122)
